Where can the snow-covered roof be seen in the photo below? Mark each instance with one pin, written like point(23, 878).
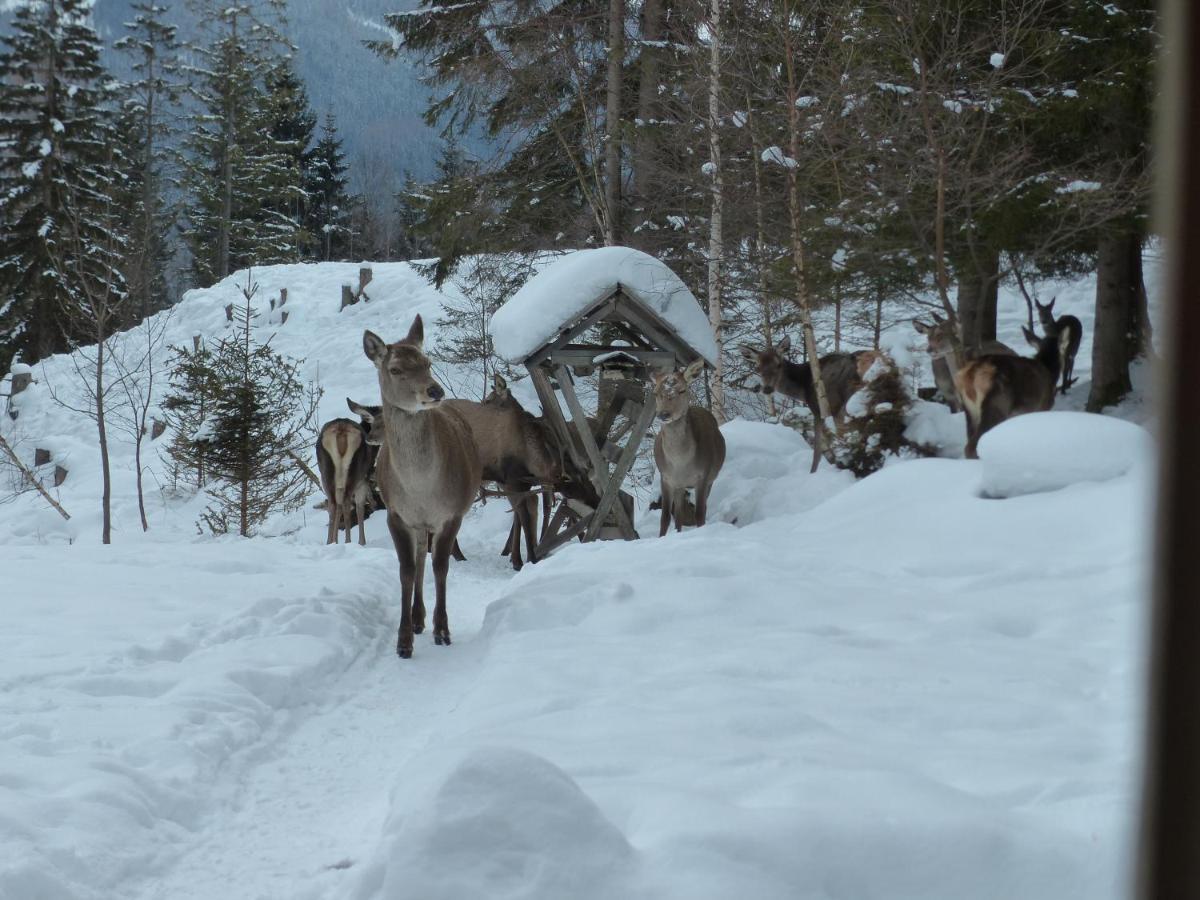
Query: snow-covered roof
point(565, 290)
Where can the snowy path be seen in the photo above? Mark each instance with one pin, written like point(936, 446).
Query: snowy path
point(317, 798)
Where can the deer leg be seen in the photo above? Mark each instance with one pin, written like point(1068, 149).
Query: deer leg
point(441, 565)
point(406, 551)
point(514, 536)
point(529, 525)
point(508, 543)
point(360, 507)
point(331, 507)
point(679, 501)
point(972, 436)
point(818, 432)
point(418, 605)
point(547, 502)
point(457, 552)
point(991, 415)
point(702, 490)
point(344, 508)
point(664, 521)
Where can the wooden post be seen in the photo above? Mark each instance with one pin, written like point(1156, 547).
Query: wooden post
point(228, 312)
point(347, 296)
point(41, 456)
point(156, 429)
point(364, 278)
point(60, 475)
point(196, 343)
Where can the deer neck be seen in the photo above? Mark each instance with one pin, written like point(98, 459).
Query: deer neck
point(410, 437)
point(795, 380)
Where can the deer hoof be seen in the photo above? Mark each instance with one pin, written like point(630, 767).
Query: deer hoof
point(404, 652)
point(441, 638)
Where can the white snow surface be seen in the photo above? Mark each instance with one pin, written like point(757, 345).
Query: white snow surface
point(893, 689)
point(1047, 451)
point(559, 294)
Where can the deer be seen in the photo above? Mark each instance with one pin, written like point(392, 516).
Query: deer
point(344, 460)
point(995, 387)
point(689, 449)
point(1070, 332)
point(946, 350)
point(428, 471)
point(516, 451)
point(841, 372)
point(372, 422)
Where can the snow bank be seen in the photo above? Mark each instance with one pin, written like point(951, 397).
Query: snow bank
point(499, 823)
point(571, 285)
point(1047, 451)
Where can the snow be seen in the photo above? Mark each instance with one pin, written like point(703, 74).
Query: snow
point(779, 158)
point(997, 60)
point(1076, 187)
point(806, 102)
point(559, 294)
point(893, 688)
point(1048, 451)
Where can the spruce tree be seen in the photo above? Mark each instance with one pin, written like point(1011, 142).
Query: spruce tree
point(147, 128)
point(263, 415)
point(329, 204)
point(234, 171)
point(292, 127)
point(58, 167)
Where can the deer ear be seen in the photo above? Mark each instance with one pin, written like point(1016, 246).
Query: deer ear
point(373, 346)
point(416, 334)
point(692, 372)
point(749, 352)
point(937, 320)
point(1050, 305)
point(1030, 336)
point(921, 327)
point(785, 345)
point(499, 382)
point(358, 409)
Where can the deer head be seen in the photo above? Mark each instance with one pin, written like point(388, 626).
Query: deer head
point(372, 420)
point(405, 379)
point(671, 399)
point(1046, 314)
point(769, 363)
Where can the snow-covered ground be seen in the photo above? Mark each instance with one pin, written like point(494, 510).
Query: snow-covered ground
point(886, 689)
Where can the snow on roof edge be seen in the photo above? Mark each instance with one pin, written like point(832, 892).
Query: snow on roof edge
point(557, 296)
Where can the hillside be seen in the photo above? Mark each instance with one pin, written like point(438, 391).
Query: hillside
point(885, 689)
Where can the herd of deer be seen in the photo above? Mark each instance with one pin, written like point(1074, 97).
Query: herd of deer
point(431, 455)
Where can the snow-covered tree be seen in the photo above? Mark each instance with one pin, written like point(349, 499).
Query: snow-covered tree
point(147, 127)
point(292, 125)
point(57, 166)
point(235, 171)
point(328, 202)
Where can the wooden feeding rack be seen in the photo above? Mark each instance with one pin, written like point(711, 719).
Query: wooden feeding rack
point(618, 335)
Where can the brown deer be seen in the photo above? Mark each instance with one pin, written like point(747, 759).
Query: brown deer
point(517, 452)
point(1070, 332)
point(689, 449)
point(841, 372)
point(344, 460)
point(948, 355)
point(996, 387)
point(429, 472)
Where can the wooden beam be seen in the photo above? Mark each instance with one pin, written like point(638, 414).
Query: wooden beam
point(553, 413)
point(623, 465)
point(599, 470)
point(570, 332)
point(574, 355)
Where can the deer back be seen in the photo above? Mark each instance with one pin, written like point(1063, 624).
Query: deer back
point(1012, 384)
point(510, 442)
point(343, 458)
point(690, 450)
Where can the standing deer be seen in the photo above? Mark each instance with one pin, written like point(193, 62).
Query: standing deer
point(429, 472)
point(996, 387)
point(344, 460)
point(516, 451)
point(689, 450)
point(946, 350)
point(1070, 332)
point(841, 372)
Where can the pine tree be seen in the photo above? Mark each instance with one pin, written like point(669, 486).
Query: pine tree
point(329, 204)
point(292, 126)
point(263, 414)
point(147, 129)
point(234, 171)
point(186, 409)
point(57, 166)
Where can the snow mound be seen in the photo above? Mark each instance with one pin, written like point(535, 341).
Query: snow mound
point(1047, 451)
point(766, 475)
point(571, 285)
point(505, 824)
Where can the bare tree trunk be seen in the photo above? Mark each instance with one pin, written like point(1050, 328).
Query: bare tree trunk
point(1115, 341)
point(105, 472)
point(647, 111)
point(137, 461)
point(794, 207)
point(612, 121)
point(760, 241)
point(225, 224)
point(970, 307)
point(716, 246)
